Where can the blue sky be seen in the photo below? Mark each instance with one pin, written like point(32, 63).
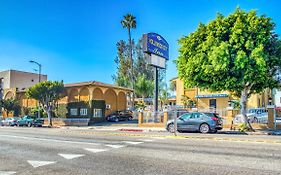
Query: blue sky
point(75, 40)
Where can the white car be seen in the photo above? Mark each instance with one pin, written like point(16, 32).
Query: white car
point(257, 115)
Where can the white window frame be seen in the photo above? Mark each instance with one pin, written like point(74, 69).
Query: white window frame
point(97, 112)
point(73, 111)
point(83, 111)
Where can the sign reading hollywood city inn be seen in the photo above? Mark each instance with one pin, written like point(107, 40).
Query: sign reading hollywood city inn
point(156, 44)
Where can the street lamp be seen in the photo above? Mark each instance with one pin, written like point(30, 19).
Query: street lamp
point(39, 65)
point(39, 80)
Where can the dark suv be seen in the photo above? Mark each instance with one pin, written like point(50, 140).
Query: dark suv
point(120, 115)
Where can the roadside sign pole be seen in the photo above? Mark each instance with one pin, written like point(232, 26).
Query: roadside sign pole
point(156, 90)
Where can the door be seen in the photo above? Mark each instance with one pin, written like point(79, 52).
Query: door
point(213, 103)
point(182, 122)
point(194, 121)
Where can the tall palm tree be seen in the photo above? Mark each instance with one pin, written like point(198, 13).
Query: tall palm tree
point(129, 22)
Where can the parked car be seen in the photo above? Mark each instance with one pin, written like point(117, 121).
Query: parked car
point(254, 115)
point(10, 121)
point(30, 121)
point(204, 122)
point(120, 115)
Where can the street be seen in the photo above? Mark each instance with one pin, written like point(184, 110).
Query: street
point(64, 151)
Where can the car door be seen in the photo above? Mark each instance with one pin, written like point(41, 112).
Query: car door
point(182, 122)
point(194, 121)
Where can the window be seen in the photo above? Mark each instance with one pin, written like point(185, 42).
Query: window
point(97, 113)
point(83, 111)
point(73, 111)
point(185, 116)
point(195, 115)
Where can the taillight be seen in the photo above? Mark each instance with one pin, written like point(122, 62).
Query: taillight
point(214, 119)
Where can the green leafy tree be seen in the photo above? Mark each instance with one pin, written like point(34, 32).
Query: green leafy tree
point(144, 87)
point(239, 53)
point(164, 97)
point(47, 93)
point(122, 77)
point(9, 105)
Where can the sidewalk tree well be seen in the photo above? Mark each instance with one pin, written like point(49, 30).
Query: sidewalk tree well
point(239, 53)
point(47, 93)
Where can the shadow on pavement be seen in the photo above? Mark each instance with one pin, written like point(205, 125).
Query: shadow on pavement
point(133, 123)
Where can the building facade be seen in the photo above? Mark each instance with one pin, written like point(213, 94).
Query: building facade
point(216, 101)
point(94, 100)
point(18, 80)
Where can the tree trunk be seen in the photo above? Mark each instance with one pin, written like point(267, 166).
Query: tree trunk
point(243, 103)
point(132, 66)
point(49, 113)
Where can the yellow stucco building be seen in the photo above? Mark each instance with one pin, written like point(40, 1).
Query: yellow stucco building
point(218, 101)
point(86, 99)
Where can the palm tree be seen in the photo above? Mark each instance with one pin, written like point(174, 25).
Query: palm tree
point(129, 22)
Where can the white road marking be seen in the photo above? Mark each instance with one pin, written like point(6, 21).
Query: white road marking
point(37, 164)
point(52, 140)
point(70, 156)
point(146, 140)
point(116, 146)
point(7, 172)
point(94, 150)
point(132, 143)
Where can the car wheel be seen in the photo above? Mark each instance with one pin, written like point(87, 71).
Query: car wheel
point(130, 118)
point(171, 128)
point(116, 119)
point(204, 128)
point(29, 124)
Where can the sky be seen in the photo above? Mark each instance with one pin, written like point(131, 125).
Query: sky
point(75, 40)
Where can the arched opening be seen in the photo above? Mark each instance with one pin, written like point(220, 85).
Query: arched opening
point(121, 101)
point(110, 98)
point(9, 95)
point(73, 95)
point(97, 94)
point(85, 94)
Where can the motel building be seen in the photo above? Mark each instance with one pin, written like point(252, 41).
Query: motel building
point(216, 101)
point(93, 100)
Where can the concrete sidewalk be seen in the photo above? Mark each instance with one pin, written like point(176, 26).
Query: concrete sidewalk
point(135, 128)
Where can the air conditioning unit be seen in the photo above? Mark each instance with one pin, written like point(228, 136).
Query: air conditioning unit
point(107, 106)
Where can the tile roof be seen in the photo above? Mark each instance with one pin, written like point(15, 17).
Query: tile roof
point(95, 83)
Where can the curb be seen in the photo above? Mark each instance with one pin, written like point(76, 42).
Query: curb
point(131, 130)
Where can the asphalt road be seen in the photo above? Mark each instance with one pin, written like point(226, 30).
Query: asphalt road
point(61, 151)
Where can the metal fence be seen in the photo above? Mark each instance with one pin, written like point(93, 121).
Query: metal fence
point(153, 117)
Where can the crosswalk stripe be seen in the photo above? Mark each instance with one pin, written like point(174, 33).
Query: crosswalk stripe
point(145, 140)
point(94, 150)
point(132, 143)
point(7, 172)
point(37, 164)
point(70, 156)
point(116, 146)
